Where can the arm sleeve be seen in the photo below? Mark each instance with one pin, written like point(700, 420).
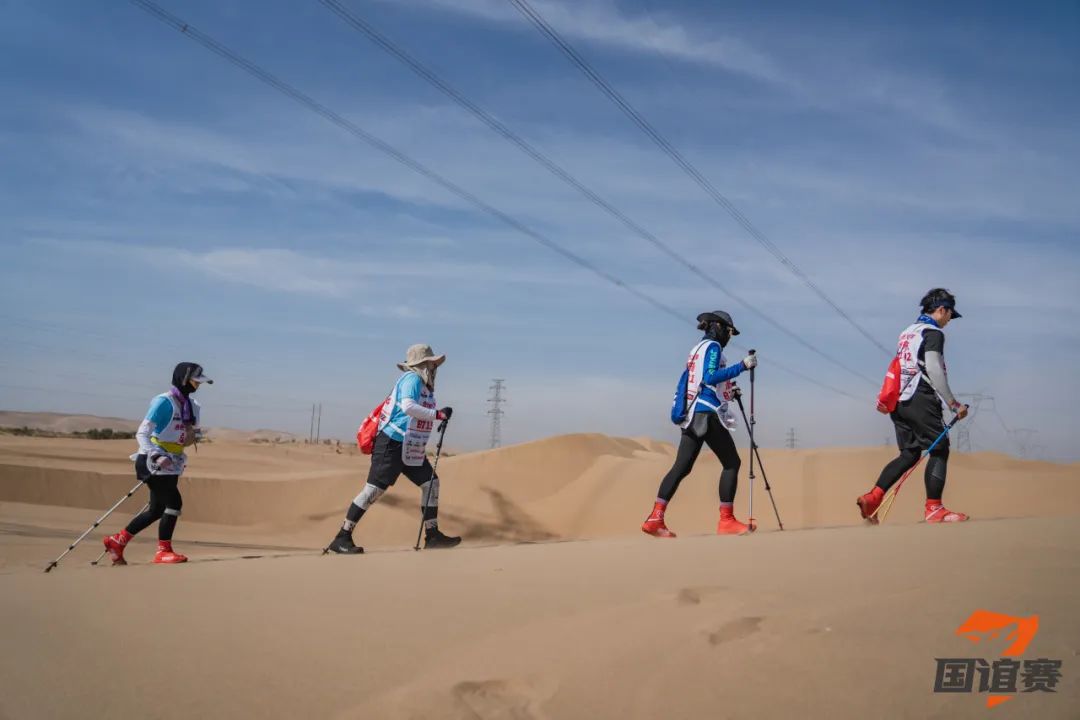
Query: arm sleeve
point(416, 410)
point(157, 418)
point(196, 409)
point(714, 374)
point(142, 436)
point(934, 367)
point(933, 350)
point(409, 399)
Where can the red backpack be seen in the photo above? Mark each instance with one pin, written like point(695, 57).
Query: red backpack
point(889, 396)
point(369, 429)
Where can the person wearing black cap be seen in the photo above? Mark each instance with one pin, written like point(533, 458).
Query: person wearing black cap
point(171, 425)
point(924, 386)
point(708, 421)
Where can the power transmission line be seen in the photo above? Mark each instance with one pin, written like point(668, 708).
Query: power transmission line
point(361, 25)
point(1023, 438)
point(496, 412)
point(791, 439)
point(550, 33)
point(399, 156)
point(963, 430)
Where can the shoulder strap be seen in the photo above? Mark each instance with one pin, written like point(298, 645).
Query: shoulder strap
point(921, 364)
point(697, 349)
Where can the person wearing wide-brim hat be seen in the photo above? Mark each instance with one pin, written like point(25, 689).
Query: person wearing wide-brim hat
point(407, 419)
point(709, 421)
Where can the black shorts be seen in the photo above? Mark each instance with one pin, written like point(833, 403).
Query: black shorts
point(918, 422)
point(387, 465)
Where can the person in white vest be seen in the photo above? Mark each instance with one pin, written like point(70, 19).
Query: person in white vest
point(171, 425)
point(918, 418)
point(709, 420)
point(404, 428)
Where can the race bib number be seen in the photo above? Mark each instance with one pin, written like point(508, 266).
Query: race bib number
point(412, 450)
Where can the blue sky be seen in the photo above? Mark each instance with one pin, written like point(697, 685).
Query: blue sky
point(157, 204)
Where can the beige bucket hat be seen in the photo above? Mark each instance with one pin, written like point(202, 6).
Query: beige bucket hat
point(419, 354)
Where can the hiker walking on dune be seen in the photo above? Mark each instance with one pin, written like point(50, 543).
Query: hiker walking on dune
point(171, 425)
point(405, 425)
point(708, 420)
point(917, 417)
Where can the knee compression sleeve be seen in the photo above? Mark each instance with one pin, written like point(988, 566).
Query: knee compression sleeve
point(368, 496)
point(429, 493)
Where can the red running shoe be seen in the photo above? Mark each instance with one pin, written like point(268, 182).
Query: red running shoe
point(165, 554)
point(728, 525)
point(654, 524)
point(870, 502)
point(938, 513)
point(115, 544)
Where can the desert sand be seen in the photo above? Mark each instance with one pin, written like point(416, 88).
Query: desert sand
point(556, 606)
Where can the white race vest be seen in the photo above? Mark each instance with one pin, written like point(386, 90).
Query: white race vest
point(907, 350)
point(695, 366)
point(418, 432)
point(172, 438)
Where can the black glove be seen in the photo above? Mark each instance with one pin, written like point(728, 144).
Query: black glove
point(444, 413)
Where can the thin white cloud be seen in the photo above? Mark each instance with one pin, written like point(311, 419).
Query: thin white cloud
point(602, 22)
point(291, 271)
point(274, 269)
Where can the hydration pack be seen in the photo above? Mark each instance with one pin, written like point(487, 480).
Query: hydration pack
point(369, 429)
point(889, 396)
point(680, 406)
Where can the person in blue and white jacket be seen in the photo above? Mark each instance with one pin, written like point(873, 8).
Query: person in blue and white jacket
point(405, 425)
point(709, 421)
point(171, 425)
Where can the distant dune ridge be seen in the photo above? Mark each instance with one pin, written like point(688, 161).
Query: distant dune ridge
point(61, 423)
point(555, 607)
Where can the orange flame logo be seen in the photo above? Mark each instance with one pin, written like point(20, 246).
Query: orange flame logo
point(986, 625)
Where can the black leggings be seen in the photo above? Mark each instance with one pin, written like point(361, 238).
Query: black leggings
point(165, 502)
point(709, 430)
point(934, 477)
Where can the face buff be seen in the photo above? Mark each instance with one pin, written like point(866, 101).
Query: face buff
point(427, 372)
point(182, 388)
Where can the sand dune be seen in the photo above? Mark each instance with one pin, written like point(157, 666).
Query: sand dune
point(569, 487)
point(63, 423)
point(590, 619)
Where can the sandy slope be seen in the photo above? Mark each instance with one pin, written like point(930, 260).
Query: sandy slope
point(590, 620)
point(836, 623)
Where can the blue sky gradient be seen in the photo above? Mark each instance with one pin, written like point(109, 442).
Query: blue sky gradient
point(159, 205)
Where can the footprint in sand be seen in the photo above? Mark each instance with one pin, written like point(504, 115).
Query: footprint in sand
point(497, 700)
point(734, 630)
point(694, 595)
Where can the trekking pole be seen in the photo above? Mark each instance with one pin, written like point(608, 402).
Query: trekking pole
point(95, 562)
point(89, 530)
point(886, 504)
point(434, 466)
point(752, 523)
point(761, 464)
